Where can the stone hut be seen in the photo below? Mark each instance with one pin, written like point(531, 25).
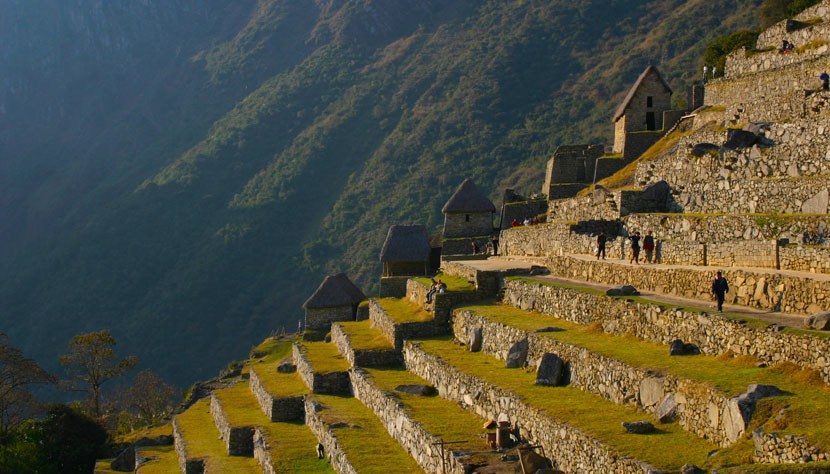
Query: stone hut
point(336, 299)
point(468, 213)
point(642, 109)
point(405, 251)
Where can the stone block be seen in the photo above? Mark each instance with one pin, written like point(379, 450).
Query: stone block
point(550, 371)
point(651, 390)
point(517, 356)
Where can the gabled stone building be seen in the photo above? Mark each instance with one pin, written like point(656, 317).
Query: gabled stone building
point(405, 253)
point(336, 299)
point(646, 107)
point(468, 217)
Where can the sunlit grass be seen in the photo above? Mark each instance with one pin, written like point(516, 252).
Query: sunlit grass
point(403, 310)
point(454, 283)
point(365, 441)
point(364, 337)
point(324, 357)
point(807, 405)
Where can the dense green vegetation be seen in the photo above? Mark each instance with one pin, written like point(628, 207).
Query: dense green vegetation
point(188, 187)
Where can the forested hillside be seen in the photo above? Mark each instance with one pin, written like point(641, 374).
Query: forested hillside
point(185, 172)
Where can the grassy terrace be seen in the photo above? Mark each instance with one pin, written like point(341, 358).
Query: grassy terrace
point(750, 322)
point(403, 311)
point(290, 443)
point(364, 337)
point(203, 441)
point(165, 462)
point(669, 448)
point(438, 416)
point(324, 357)
point(454, 283)
point(807, 405)
point(365, 441)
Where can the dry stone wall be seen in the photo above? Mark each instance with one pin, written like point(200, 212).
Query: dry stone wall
point(613, 379)
point(547, 240)
point(418, 442)
point(334, 451)
point(276, 408)
point(442, 303)
point(569, 448)
point(262, 450)
point(729, 228)
point(362, 357)
point(777, 448)
point(335, 383)
point(239, 440)
point(712, 333)
point(187, 465)
point(396, 333)
point(743, 61)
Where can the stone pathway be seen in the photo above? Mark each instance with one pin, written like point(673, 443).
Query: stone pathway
point(785, 319)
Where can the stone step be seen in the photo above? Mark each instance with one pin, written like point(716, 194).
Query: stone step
point(280, 395)
point(322, 368)
point(400, 319)
point(354, 440)
point(435, 431)
point(581, 432)
point(277, 446)
point(654, 321)
point(199, 447)
point(702, 391)
point(363, 345)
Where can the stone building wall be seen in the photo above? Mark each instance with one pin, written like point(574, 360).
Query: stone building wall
point(186, 464)
point(276, 409)
point(521, 210)
point(321, 318)
point(393, 287)
point(463, 245)
point(712, 333)
point(804, 258)
point(334, 383)
point(419, 443)
point(636, 143)
point(471, 224)
point(334, 451)
point(583, 208)
point(570, 449)
point(239, 440)
point(728, 228)
point(362, 357)
point(701, 409)
point(553, 240)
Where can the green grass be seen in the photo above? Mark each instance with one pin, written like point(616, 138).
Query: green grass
point(403, 310)
point(202, 438)
point(365, 441)
point(166, 462)
point(273, 349)
point(669, 448)
point(808, 405)
point(454, 283)
point(438, 416)
point(291, 443)
point(324, 357)
point(364, 337)
point(278, 384)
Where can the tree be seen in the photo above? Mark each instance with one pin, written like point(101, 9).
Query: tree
point(149, 399)
point(16, 373)
point(66, 441)
point(91, 361)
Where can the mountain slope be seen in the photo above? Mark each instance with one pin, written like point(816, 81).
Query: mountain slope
point(249, 148)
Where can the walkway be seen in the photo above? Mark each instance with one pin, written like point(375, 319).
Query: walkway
point(795, 321)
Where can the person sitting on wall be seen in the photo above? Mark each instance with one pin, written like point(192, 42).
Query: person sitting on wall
point(433, 288)
point(442, 287)
point(527, 221)
point(786, 46)
point(515, 223)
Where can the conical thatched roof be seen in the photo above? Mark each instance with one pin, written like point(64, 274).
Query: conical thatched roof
point(468, 198)
point(336, 290)
point(406, 243)
point(649, 70)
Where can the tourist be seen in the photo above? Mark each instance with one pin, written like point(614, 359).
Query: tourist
point(825, 81)
point(475, 248)
point(720, 287)
point(635, 248)
point(433, 288)
point(648, 246)
point(785, 47)
point(527, 221)
point(705, 73)
point(442, 287)
point(601, 240)
point(515, 223)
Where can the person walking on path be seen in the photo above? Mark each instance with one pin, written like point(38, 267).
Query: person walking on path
point(601, 240)
point(720, 287)
point(648, 246)
point(635, 248)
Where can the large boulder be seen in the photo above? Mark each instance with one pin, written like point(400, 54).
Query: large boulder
point(817, 204)
point(551, 370)
point(736, 139)
point(818, 321)
point(638, 427)
point(739, 410)
point(286, 368)
point(667, 410)
point(680, 348)
point(517, 355)
point(651, 390)
point(125, 461)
